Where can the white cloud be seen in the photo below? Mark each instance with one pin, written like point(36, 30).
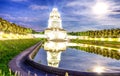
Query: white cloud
point(72, 4)
point(26, 19)
point(77, 26)
point(77, 10)
point(19, 18)
point(7, 16)
point(78, 3)
point(25, 24)
point(109, 21)
point(19, 0)
point(38, 7)
point(82, 7)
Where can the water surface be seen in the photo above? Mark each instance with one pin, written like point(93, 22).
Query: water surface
point(79, 58)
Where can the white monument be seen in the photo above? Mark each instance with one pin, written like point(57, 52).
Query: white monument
point(55, 30)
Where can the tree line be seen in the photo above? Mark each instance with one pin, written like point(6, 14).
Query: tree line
point(106, 33)
point(114, 54)
point(7, 27)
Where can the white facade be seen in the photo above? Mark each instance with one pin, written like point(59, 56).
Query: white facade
point(55, 19)
point(55, 34)
point(55, 30)
point(55, 46)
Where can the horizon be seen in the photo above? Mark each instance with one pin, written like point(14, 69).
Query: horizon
point(77, 15)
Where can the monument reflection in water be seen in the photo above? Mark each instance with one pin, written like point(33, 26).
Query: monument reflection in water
point(54, 50)
point(56, 37)
point(78, 57)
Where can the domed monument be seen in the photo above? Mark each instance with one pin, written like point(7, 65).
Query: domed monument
point(54, 30)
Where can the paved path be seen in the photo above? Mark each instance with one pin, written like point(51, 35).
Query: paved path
point(18, 64)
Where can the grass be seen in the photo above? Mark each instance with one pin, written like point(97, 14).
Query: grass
point(11, 48)
point(113, 44)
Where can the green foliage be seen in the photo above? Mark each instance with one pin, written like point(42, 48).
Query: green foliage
point(113, 33)
point(113, 44)
point(11, 48)
point(114, 54)
point(8, 27)
point(34, 32)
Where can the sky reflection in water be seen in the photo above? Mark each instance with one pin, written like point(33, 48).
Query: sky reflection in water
point(87, 58)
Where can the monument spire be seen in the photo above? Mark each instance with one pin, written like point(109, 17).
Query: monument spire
point(54, 19)
point(54, 30)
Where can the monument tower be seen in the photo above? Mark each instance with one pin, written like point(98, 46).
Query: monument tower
point(54, 19)
point(54, 30)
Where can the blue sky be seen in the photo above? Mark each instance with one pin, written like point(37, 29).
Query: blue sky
point(77, 15)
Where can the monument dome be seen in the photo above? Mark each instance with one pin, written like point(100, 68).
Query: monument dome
point(54, 30)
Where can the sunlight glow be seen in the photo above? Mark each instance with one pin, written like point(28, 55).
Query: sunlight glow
point(98, 69)
point(118, 39)
point(100, 8)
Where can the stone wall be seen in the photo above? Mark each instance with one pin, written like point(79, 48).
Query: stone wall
point(61, 72)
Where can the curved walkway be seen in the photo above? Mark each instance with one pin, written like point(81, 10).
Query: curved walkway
point(18, 65)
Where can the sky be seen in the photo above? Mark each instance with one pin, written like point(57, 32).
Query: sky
point(77, 15)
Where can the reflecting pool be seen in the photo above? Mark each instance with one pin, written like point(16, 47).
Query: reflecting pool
point(79, 57)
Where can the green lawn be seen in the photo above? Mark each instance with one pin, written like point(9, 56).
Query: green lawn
point(113, 44)
point(11, 48)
